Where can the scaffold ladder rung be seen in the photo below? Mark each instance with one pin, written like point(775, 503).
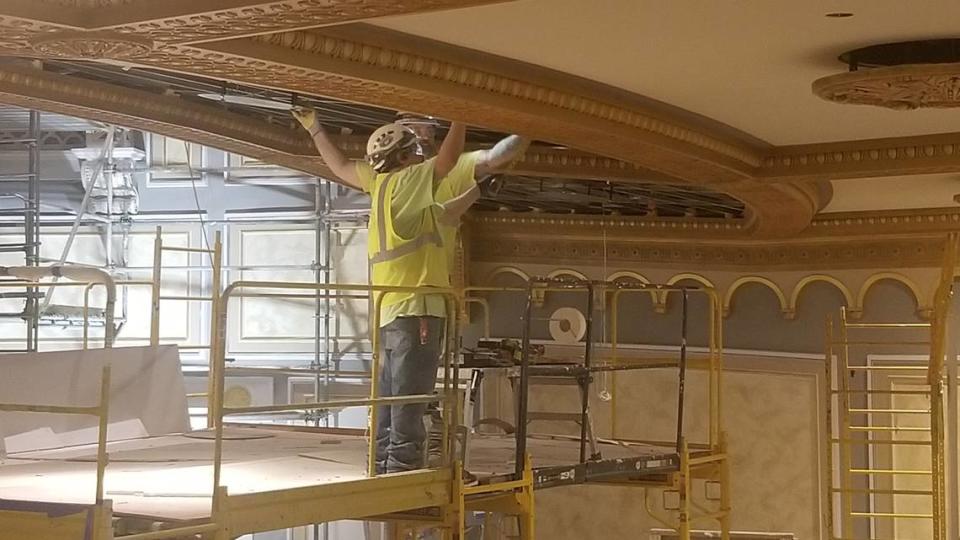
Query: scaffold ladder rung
point(889, 428)
point(886, 392)
point(891, 515)
point(882, 491)
point(891, 471)
point(887, 368)
point(889, 411)
point(890, 442)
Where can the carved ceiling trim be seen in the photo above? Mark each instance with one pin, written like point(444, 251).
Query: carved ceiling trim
point(310, 63)
point(166, 115)
point(405, 72)
point(197, 22)
point(194, 21)
point(899, 156)
point(476, 92)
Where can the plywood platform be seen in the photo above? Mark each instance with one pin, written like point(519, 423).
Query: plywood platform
point(169, 478)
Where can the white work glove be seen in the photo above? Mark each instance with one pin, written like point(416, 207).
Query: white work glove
point(307, 119)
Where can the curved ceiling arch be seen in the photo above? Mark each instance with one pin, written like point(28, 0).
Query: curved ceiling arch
point(265, 45)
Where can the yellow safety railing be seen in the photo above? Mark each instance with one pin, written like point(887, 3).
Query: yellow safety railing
point(450, 381)
point(101, 411)
point(871, 436)
point(715, 339)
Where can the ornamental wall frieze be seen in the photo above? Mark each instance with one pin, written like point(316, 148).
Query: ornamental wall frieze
point(559, 250)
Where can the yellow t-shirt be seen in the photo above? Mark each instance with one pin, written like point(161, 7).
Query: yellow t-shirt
point(460, 180)
point(415, 191)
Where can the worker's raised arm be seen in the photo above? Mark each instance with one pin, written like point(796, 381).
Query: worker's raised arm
point(502, 153)
point(450, 151)
point(342, 167)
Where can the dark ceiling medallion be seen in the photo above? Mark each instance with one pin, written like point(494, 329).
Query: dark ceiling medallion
point(904, 76)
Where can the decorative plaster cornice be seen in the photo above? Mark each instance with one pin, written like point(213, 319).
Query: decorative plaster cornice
point(855, 159)
point(352, 71)
point(166, 115)
point(478, 89)
point(488, 79)
point(926, 222)
point(193, 23)
point(638, 140)
point(91, 45)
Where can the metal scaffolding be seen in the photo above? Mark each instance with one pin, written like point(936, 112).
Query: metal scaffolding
point(29, 212)
point(885, 422)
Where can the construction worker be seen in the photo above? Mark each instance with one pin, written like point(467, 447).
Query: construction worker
point(466, 186)
point(406, 248)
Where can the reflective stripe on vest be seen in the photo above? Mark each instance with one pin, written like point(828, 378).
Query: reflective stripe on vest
point(383, 254)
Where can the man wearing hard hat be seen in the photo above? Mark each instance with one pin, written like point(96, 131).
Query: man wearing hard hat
point(413, 199)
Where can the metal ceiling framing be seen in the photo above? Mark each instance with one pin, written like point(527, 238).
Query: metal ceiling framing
point(519, 194)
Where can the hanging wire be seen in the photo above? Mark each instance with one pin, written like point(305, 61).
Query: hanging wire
point(196, 200)
point(604, 392)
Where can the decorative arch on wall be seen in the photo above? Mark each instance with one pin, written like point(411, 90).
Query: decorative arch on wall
point(728, 297)
point(620, 274)
point(848, 297)
point(560, 272)
point(660, 304)
point(510, 270)
point(627, 274)
point(923, 308)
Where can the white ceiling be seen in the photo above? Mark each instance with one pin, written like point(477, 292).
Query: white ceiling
point(748, 64)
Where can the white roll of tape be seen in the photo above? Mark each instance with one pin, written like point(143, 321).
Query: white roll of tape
point(567, 325)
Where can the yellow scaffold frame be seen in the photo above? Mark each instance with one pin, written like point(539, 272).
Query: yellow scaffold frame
point(402, 497)
point(837, 344)
point(708, 462)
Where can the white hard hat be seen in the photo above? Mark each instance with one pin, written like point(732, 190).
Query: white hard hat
point(387, 140)
point(405, 118)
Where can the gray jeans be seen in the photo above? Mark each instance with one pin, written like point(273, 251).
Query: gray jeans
point(409, 357)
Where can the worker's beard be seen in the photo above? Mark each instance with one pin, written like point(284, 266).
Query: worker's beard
point(427, 148)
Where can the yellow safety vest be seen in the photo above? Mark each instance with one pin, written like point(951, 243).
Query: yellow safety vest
point(419, 261)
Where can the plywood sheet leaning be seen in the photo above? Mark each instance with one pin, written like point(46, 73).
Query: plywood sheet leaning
point(147, 395)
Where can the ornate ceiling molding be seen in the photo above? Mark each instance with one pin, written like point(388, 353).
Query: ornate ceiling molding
point(312, 63)
point(427, 76)
point(211, 125)
point(181, 22)
point(193, 21)
point(900, 156)
point(903, 87)
point(167, 115)
point(609, 133)
point(91, 45)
